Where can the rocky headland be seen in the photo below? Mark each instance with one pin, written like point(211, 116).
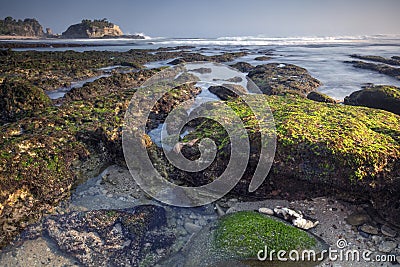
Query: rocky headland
point(23, 28)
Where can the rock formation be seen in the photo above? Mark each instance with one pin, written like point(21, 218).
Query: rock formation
point(92, 29)
point(27, 27)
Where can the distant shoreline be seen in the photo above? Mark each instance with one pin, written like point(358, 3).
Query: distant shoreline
point(18, 37)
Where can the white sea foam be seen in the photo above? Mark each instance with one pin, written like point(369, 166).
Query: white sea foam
point(261, 40)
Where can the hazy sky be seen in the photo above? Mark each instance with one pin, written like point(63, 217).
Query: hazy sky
point(212, 18)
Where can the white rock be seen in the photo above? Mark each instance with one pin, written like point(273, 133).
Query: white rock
point(304, 223)
point(267, 211)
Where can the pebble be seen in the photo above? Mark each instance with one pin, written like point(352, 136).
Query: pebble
point(376, 239)
point(191, 227)
point(398, 259)
point(386, 230)
point(357, 219)
point(369, 229)
point(110, 195)
point(387, 246)
point(267, 211)
point(219, 210)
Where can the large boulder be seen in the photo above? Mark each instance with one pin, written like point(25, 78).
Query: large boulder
point(322, 149)
point(380, 97)
point(19, 98)
point(281, 79)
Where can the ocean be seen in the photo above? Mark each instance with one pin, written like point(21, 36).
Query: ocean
point(323, 57)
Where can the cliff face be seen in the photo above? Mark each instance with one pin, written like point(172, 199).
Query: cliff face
point(27, 27)
point(92, 29)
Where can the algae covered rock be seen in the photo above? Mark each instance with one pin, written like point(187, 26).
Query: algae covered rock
point(380, 97)
point(350, 152)
point(281, 79)
point(240, 238)
point(19, 98)
point(245, 233)
point(320, 97)
point(112, 237)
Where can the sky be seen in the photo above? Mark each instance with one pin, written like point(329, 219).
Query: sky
point(216, 18)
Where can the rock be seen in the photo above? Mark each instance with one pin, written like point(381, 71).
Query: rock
point(369, 229)
point(320, 97)
point(267, 211)
point(111, 237)
point(296, 217)
point(387, 246)
point(27, 27)
point(357, 219)
point(19, 99)
point(386, 230)
point(256, 205)
point(192, 228)
point(92, 29)
point(227, 91)
point(219, 210)
point(262, 58)
point(398, 259)
point(376, 239)
point(380, 97)
point(275, 79)
point(381, 68)
point(243, 66)
point(240, 236)
point(177, 61)
point(391, 61)
point(107, 85)
point(202, 70)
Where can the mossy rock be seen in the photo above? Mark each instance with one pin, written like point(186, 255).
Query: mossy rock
point(380, 97)
point(320, 97)
point(322, 149)
point(245, 233)
point(282, 79)
point(19, 98)
point(235, 240)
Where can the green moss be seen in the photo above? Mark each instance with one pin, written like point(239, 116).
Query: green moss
point(245, 233)
point(320, 140)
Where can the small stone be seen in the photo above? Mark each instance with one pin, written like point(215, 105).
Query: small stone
point(192, 228)
point(267, 211)
point(386, 230)
point(110, 195)
point(357, 219)
point(398, 259)
point(219, 210)
point(369, 229)
point(387, 246)
point(363, 234)
point(376, 239)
